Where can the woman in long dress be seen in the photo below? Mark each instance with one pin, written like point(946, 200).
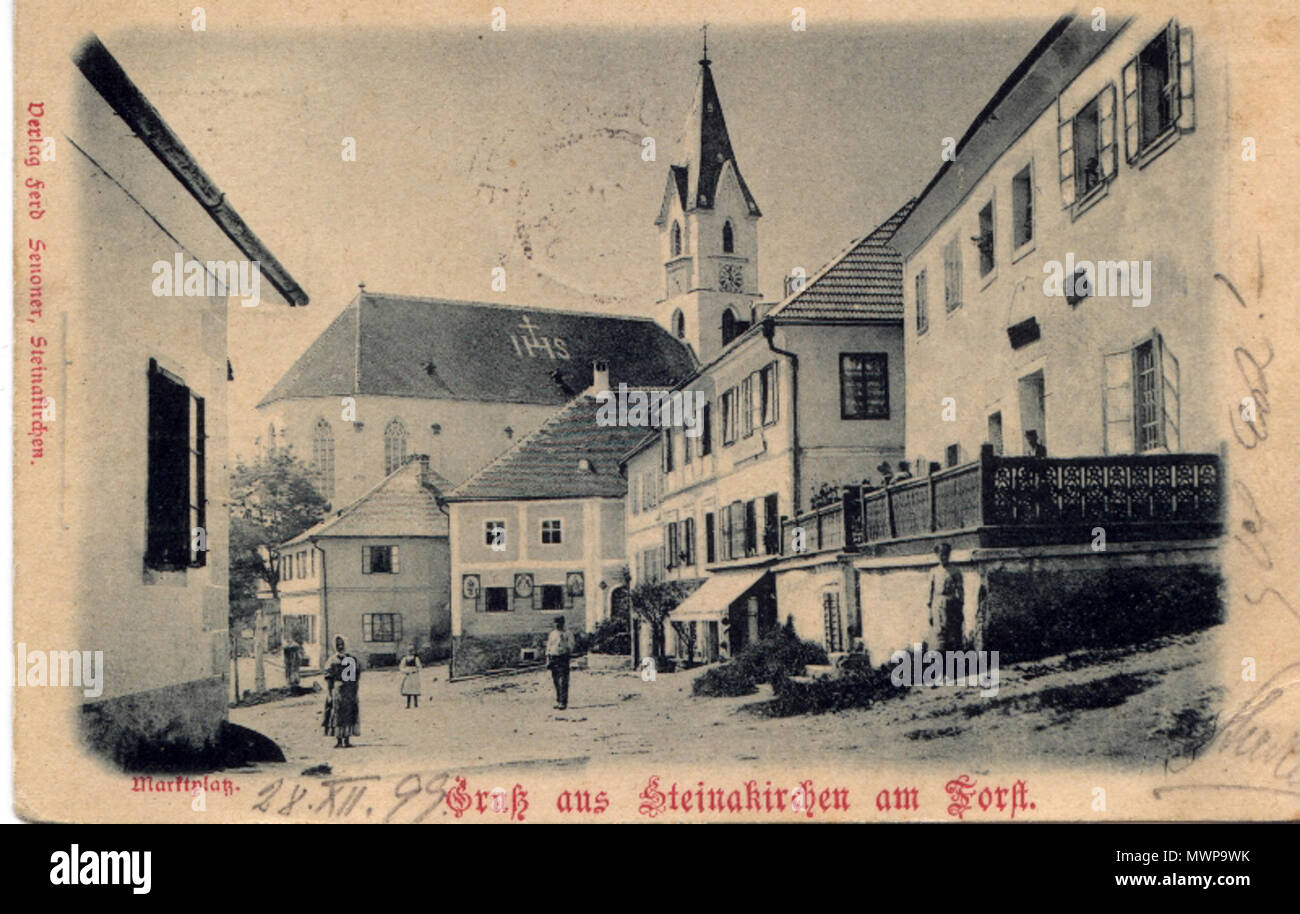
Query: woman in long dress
point(343, 715)
point(410, 670)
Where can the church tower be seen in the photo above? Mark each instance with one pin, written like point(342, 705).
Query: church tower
point(708, 233)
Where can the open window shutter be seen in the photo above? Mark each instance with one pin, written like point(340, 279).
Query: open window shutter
point(1106, 119)
point(1117, 401)
point(1065, 158)
point(1182, 39)
point(1170, 402)
point(1131, 139)
point(365, 560)
point(396, 565)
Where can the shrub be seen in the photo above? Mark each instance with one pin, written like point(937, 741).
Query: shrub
point(859, 686)
point(611, 637)
point(772, 659)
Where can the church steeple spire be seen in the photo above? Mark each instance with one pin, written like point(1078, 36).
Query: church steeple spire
point(708, 146)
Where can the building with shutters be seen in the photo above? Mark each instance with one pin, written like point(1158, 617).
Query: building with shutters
point(375, 572)
point(537, 533)
point(142, 551)
point(1060, 312)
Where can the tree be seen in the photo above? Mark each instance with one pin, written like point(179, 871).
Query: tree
point(272, 500)
point(652, 601)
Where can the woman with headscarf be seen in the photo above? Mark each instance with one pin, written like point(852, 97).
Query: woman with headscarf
point(343, 715)
point(410, 670)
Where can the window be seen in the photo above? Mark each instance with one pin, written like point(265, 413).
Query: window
point(494, 533)
point(729, 419)
point(551, 533)
point(922, 304)
point(751, 528)
point(771, 525)
point(1158, 92)
point(688, 541)
point(176, 490)
point(670, 544)
point(676, 242)
point(496, 599)
point(322, 457)
point(286, 568)
point(728, 240)
point(864, 385)
point(379, 560)
point(737, 511)
point(679, 324)
point(834, 626)
point(666, 446)
point(951, 276)
point(1022, 209)
point(995, 433)
point(706, 430)
point(552, 596)
point(710, 550)
point(729, 326)
point(952, 455)
point(984, 241)
point(747, 406)
point(768, 394)
point(381, 626)
point(394, 446)
point(1086, 148)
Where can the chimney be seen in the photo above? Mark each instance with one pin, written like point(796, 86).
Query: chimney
point(599, 376)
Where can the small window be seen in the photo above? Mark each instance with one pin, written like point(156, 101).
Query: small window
point(551, 534)
point(922, 304)
point(666, 446)
point(679, 324)
point(394, 446)
point(688, 541)
point(379, 560)
point(951, 276)
point(676, 240)
point(729, 325)
point(494, 534)
point(671, 547)
point(864, 385)
point(381, 626)
point(496, 599)
point(729, 417)
point(995, 433)
point(706, 430)
point(768, 394)
point(1022, 209)
point(984, 240)
point(710, 550)
point(728, 241)
point(952, 455)
point(322, 457)
point(552, 596)
point(1087, 149)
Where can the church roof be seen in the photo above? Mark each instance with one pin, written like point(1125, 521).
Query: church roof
point(405, 503)
point(403, 346)
point(547, 462)
point(865, 280)
point(708, 149)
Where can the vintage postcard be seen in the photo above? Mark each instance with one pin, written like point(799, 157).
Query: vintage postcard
point(612, 412)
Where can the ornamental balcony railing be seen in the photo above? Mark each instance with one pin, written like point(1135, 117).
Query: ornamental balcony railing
point(1024, 501)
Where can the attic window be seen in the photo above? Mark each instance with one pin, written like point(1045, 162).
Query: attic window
point(585, 465)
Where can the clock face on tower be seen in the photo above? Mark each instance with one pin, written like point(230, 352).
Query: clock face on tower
point(731, 277)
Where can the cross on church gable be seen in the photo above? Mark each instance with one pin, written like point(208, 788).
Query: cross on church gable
point(531, 343)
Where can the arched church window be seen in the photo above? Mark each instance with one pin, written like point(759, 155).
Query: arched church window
point(679, 324)
point(677, 240)
point(728, 326)
point(394, 446)
point(728, 240)
point(322, 457)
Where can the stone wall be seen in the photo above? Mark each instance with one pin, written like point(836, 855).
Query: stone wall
point(145, 728)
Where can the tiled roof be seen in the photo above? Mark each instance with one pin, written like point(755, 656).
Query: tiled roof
point(401, 505)
point(863, 281)
point(390, 345)
point(546, 463)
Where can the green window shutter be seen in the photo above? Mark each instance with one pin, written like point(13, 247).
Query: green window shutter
point(1065, 158)
point(1117, 402)
point(1131, 138)
point(1106, 119)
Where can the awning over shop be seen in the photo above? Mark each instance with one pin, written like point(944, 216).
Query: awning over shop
point(714, 596)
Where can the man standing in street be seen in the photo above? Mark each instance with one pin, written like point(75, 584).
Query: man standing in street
point(559, 645)
point(945, 603)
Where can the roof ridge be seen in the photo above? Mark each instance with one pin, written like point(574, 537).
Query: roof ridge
point(507, 306)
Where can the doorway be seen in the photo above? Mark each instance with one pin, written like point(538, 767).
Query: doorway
point(1033, 419)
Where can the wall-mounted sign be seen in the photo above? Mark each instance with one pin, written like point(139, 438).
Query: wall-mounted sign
point(523, 585)
point(469, 586)
point(573, 582)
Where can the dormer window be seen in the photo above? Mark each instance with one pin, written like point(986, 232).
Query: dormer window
point(728, 239)
point(676, 242)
